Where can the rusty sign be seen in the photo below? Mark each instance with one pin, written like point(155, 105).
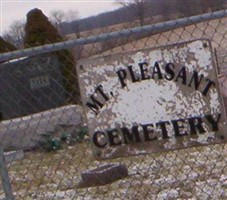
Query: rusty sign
point(152, 100)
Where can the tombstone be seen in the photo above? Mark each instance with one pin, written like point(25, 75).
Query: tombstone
point(30, 85)
point(152, 100)
point(103, 175)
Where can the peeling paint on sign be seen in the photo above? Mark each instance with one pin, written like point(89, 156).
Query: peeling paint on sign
point(152, 100)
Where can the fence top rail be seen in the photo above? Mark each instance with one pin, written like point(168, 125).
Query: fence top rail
point(151, 29)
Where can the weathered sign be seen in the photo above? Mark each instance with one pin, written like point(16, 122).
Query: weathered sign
point(152, 100)
point(30, 85)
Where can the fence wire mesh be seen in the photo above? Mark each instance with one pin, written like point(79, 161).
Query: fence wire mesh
point(41, 114)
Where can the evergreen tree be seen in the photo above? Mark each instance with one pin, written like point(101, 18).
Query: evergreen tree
point(6, 46)
point(40, 31)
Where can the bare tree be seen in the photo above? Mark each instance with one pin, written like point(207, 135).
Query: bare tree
point(136, 7)
point(57, 17)
point(72, 16)
point(16, 33)
point(212, 5)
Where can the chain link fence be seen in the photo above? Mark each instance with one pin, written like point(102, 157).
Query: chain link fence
point(41, 114)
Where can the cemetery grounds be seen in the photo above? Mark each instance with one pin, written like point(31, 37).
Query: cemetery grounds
point(191, 173)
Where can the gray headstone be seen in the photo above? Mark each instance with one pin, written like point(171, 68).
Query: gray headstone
point(103, 175)
point(30, 85)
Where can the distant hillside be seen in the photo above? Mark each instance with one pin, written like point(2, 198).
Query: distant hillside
point(165, 8)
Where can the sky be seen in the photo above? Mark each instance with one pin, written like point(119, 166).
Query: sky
point(11, 10)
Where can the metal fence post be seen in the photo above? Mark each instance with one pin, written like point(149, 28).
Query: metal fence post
point(5, 176)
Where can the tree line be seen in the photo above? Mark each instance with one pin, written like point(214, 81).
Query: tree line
point(140, 9)
point(70, 22)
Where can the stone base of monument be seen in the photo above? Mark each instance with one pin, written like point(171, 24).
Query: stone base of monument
point(103, 175)
point(13, 155)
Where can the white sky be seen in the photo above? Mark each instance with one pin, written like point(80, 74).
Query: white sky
point(11, 10)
